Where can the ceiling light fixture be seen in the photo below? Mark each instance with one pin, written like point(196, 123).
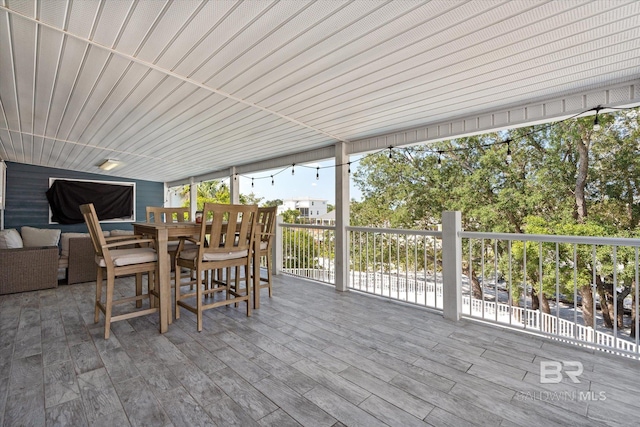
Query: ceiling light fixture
point(109, 164)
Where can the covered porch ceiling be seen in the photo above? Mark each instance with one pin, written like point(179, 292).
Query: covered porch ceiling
point(181, 89)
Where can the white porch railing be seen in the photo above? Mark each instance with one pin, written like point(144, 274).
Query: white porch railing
point(406, 265)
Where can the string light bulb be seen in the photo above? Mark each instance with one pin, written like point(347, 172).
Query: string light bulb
point(508, 151)
point(251, 182)
point(317, 173)
point(272, 181)
point(596, 121)
point(439, 165)
point(596, 124)
point(293, 169)
point(390, 151)
point(349, 170)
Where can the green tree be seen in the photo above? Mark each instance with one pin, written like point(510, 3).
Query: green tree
point(275, 202)
point(290, 216)
point(216, 192)
point(563, 178)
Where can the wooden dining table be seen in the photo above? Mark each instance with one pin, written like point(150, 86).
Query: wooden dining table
point(162, 232)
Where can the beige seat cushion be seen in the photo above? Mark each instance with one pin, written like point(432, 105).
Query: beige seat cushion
point(63, 262)
point(122, 257)
point(263, 245)
point(192, 254)
point(117, 233)
point(10, 239)
point(37, 237)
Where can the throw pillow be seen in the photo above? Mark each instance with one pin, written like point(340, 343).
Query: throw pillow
point(36, 237)
point(10, 239)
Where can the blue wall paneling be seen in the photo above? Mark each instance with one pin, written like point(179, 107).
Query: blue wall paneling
point(26, 202)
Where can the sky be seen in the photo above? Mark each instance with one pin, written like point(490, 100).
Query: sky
point(301, 184)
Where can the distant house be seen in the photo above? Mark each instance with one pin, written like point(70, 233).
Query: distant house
point(327, 219)
point(309, 208)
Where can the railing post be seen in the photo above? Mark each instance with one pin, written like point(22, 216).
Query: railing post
point(451, 265)
point(234, 186)
point(341, 263)
point(193, 197)
point(276, 250)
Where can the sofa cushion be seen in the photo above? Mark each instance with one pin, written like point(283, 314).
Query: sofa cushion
point(10, 239)
point(36, 237)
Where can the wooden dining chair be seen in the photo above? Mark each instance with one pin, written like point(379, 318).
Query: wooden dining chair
point(267, 220)
point(157, 214)
point(160, 214)
point(230, 231)
point(137, 258)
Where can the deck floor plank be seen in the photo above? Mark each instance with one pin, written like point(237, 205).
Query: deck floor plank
point(310, 356)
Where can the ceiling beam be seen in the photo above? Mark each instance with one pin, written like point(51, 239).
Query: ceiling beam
point(623, 95)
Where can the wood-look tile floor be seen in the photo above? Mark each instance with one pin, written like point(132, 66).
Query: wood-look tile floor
point(309, 356)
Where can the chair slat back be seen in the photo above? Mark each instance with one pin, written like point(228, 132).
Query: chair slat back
point(158, 214)
point(93, 224)
point(231, 227)
point(267, 220)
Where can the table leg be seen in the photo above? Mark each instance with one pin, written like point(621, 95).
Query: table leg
point(164, 262)
point(256, 275)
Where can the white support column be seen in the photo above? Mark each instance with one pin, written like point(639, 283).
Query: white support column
point(234, 186)
point(277, 254)
point(193, 197)
point(341, 262)
point(451, 265)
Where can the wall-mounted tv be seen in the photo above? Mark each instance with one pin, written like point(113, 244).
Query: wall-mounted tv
point(114, 201)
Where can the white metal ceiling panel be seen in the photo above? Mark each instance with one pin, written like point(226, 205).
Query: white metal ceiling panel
point(82, 18)
point(83, 90)
point(223, 32)
point(262, 29)
point(49, 49)
point(175, 20)
point(176, 89)
point(51, 13)
point(204, 22)
point(24, 7)
point(139, 25)
point(111, 21)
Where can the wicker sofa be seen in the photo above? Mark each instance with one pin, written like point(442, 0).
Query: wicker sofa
point(28, 269)
point(34, 268)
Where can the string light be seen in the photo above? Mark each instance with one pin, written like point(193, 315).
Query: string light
point(596, 127)
point(596, 122)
